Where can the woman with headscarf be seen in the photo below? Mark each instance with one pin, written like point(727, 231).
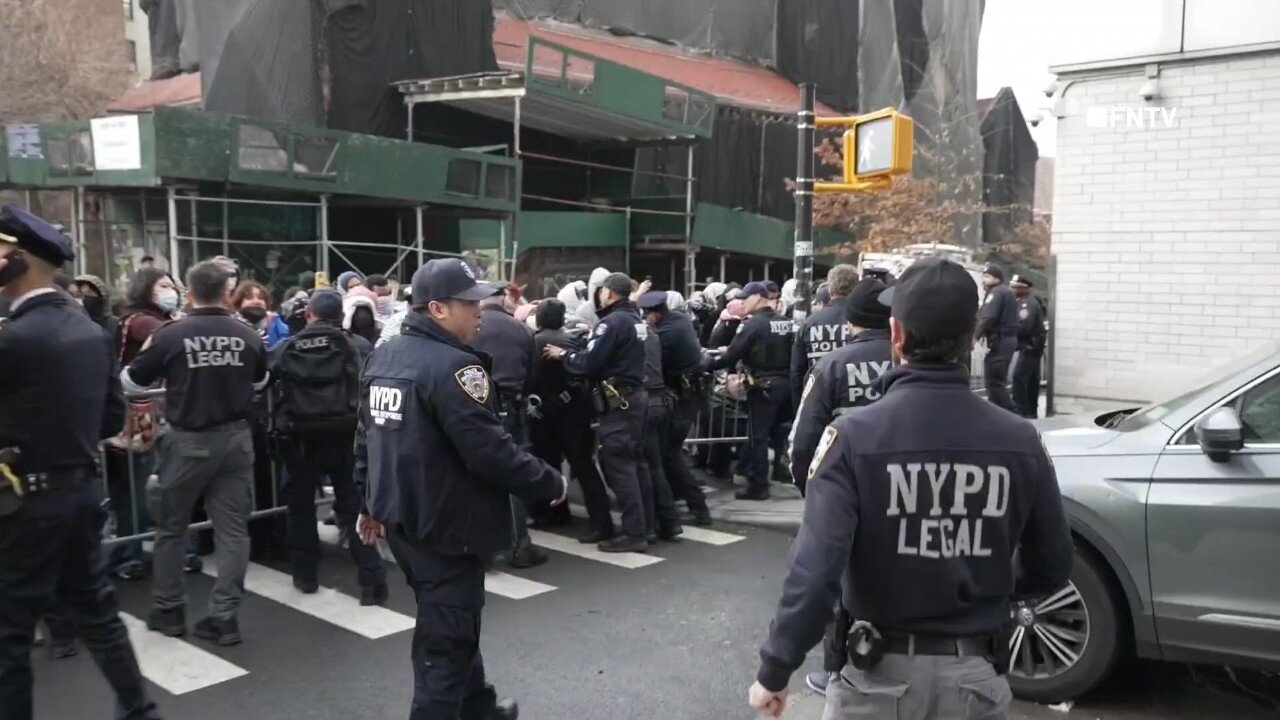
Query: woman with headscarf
point(732, 316)
point(360, 314)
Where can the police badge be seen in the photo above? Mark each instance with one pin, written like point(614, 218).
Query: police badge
point(828, 439)
point(475, 382)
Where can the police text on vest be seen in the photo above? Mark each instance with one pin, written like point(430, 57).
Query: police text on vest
point(213, 351)
point(957, 499)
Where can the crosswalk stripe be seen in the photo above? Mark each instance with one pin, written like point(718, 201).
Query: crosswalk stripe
point(571, 546)
point(327, 604)
point(498, 583)
point(175, 665)
point(691, 532)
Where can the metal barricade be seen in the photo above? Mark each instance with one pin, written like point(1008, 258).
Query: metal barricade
point(722, 417)
point(112, 456)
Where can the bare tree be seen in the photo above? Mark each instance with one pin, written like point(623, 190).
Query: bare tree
point(60, 59)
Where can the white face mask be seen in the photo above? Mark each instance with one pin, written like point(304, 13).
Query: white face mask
point(167, 300)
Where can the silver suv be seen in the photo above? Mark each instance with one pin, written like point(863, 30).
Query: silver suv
point(1175, 511)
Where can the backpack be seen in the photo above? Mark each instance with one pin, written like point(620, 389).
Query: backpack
point(318, 384)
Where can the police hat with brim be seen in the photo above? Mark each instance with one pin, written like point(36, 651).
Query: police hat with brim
point(934, 297)
point(1019, 282)
point(448, 279)
point(653, 300)
point(35, 236)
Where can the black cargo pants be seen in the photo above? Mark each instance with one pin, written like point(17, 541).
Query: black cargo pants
point(623, 463)
point(769, 405)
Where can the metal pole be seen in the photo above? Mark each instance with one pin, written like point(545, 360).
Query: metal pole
point(515, 245)
point(324, 234)
point(409, 129)
point(502, 250)
point(174, 265)
point(723, 258)
point(195, 233)
point(226, 229)
point(27, 197)
point(515, 123)
point(690, 253)
point(77, 216)
point(1051, 346)
point(422, 254)
point(626, 240)
point(146, 234)
point(803, 268)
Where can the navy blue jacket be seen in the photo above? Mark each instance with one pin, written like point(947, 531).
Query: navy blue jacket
point(918, 503)
point(616, 348)
point(430, 450)
point(763, 344)
point(998, 318)
point(820, 333)
point(510, 343)
point(681, 354)
point(59, 389)
point(843, 379)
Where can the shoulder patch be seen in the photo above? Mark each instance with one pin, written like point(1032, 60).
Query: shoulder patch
point(601, 329)
point(828, 439)
point(474, 381)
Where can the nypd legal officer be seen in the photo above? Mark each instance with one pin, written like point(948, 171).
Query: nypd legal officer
point(613, 361)
point(440, 470)
point(846, 377)
point(58, 398)
point(825, 330)
point(918, 503)
point(683, 376)
point(212, 365)
point(763, 344)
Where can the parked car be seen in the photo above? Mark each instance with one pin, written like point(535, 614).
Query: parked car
point(1175, 512)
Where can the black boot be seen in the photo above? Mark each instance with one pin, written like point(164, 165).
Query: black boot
point(374, 595)
point(622, 543)
point(223, 631)
point(527, 557)
point(168, 621)
point(505, 710)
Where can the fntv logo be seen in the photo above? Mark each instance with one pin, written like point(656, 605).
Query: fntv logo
point(1133, 118)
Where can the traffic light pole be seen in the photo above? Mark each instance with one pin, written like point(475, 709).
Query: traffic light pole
point(803, 268)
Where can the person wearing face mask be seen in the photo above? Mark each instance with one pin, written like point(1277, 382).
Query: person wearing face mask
point(360, 314)
point(93, 293)
point(251, 301)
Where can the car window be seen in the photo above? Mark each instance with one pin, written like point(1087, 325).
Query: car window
point(1260, 413)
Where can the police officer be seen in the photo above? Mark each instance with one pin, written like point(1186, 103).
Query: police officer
point(212, 366)
point(1032, 338)
point(614, 363)
point(998, 325)
point(440, 470)
point(317, 375)
point(825, 330)
point(664, 520)
point(939, 489)
point(58, 398)
point(684, 379)
point(846, 377)
point(763, 345)
point(510, 343)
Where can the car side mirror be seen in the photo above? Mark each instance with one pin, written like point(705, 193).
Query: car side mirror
point(1220, 433)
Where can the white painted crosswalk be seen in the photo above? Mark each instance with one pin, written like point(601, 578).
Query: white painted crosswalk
point(691, 532)
point(174, 664)
point(571, 546)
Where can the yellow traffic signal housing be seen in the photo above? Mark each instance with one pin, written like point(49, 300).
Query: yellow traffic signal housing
point(876, 146)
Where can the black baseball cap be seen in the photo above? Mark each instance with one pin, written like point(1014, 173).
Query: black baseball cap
point(754, 288)
point(994, 271)
point(448, 279)
point(619, 283)
point(865, 309)
point(326, 305)
point(935, 297)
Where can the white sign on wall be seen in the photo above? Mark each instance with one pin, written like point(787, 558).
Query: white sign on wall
point(117, 143)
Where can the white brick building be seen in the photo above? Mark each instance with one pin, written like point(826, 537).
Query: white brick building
point(137, 37)
point(1166, 222)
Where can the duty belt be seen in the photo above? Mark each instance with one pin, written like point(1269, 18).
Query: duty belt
point(45, 481)
point(909, 644)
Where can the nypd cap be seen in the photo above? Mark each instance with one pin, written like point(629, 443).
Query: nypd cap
point(448, 279)
point(653, 300)
point(754, 288)
point(35, 236)
point(935, 297)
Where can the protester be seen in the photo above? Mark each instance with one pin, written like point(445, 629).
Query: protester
point(252, 302)
point(95, 296)
point(360, 314)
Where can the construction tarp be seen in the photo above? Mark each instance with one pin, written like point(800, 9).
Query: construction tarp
point(814, 45)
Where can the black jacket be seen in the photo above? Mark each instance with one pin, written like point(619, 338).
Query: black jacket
point(843, 379)
point(510, 343)
point(616, 348)
point(723, 332)
point(820, 333)
point(681, 354)
point(998, 318)
point(430, 450)
point(918, 503)
point(555, 386)
point(1031, 331)
point(59, 390)
point(763, 344)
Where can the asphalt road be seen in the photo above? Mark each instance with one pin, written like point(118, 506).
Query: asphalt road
point(579, 638)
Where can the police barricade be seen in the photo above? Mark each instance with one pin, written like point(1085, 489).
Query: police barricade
point(128, 461)
point(721, 423)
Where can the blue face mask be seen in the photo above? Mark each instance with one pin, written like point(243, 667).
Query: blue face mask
point(167, 300)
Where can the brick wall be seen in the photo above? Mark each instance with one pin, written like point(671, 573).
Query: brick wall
point(1167, 238)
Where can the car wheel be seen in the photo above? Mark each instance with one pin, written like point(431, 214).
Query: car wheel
point(1064, 645)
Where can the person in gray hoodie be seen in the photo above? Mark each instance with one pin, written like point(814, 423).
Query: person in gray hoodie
point(588, 311)
point(94, 294)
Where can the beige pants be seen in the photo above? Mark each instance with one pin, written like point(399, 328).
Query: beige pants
point(920, 687)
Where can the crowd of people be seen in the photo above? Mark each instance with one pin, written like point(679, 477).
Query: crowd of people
point(263, 404)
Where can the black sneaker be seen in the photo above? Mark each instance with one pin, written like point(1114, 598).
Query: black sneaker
point(670, 534)
point(505, 710)
point(701, 518)
point(222, 631)
point(622, 543)
point(131, 571)
point(374, 595)
point(168, 621)
point(306, 586)
point(63, 649)
point(528, 557)
point(193, 564)
point(752, 494)
point(595, 537)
